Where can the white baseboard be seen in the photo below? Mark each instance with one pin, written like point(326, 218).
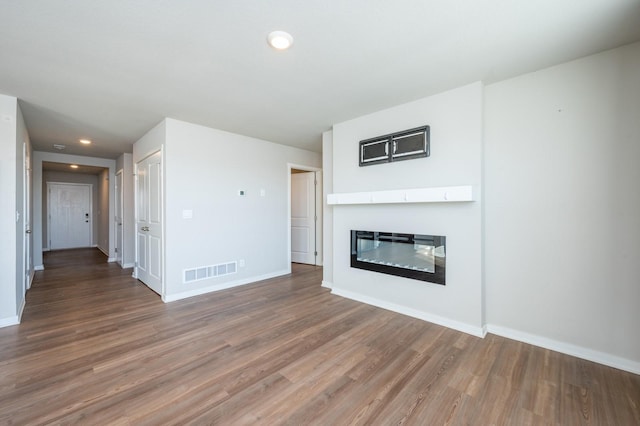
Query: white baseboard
point(111, 260)
point(32, 275)
point(38, 268)
point(327, 284)
point(24, 303)
point(436, 319)
point(567, 348)
point(222, 286)
point(6, 322)
point(45, 248)
point(128, 265)
point(106, 253)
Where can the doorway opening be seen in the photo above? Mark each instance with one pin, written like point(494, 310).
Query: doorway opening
point(76, 204)
point(305, 215)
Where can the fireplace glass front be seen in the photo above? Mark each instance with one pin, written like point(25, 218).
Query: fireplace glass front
point(417, 256)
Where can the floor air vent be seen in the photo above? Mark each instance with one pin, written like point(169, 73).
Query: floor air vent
point(204, 272)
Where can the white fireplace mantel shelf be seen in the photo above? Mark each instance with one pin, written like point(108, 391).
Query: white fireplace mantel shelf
point(443, 194)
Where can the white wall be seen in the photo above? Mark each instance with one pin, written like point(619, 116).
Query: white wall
point(455, 118)
point(8, 255)
point(124, 163)
point(13, 135)
point(204, 170)
point(64, 177)
point(151, 142)
point(327, 210)
point(38, 158)
point(562, 151)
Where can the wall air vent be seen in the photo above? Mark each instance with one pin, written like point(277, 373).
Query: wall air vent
point(212, 271)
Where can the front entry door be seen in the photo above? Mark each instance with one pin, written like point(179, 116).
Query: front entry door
point(303, 217)
point(70, 215)
point(149, 221)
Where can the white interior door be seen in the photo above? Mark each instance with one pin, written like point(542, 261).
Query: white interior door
point(149, 222)
point(303, 217)
point(70, 215)
point(118, 218)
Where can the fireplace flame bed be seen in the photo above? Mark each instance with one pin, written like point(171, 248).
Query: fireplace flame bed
point(417, 256)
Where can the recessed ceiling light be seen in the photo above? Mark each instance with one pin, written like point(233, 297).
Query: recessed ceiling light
point(59, 146)
point(280, 40)
point(85, 141)
point(74, 166)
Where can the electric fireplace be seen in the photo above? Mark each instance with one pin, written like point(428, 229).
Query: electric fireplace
point(416, 256)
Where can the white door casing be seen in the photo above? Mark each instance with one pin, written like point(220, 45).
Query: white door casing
point(149, 221)
point(119, 218)
point(70, 215)
point(303, 218)
point(28, 267)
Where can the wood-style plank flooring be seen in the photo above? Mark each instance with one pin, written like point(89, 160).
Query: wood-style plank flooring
point(97, 347)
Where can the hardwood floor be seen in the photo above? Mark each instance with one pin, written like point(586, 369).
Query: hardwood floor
point(97, 347)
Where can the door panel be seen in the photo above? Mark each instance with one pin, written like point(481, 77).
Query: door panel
point(155, 247)
point(303, 198)
point(142, 254)
point(70, 215)
point(300, 239)
point(154, 193)
point(149, 221)
point(142, 197)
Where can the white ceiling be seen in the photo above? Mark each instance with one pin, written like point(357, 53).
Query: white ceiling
point(110, 70)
